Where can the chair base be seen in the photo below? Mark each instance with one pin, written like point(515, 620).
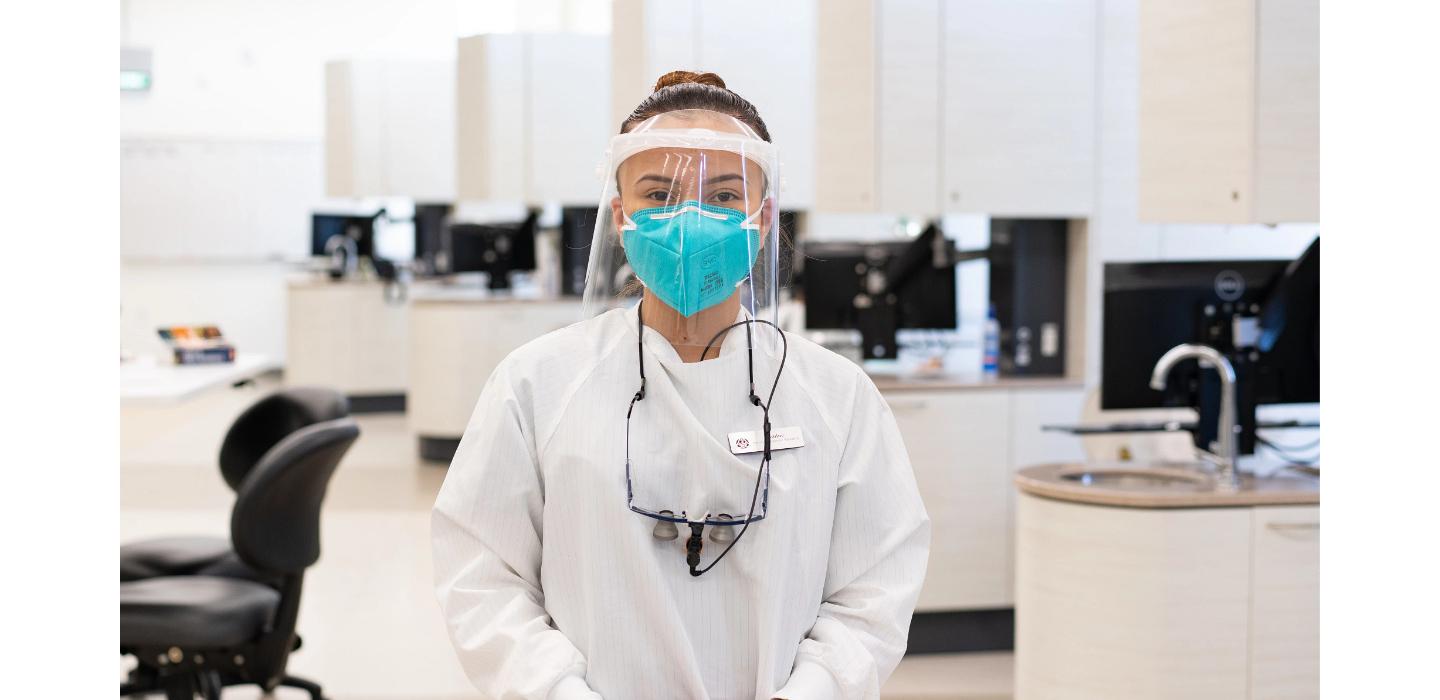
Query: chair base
point(308, 686)
point(206, 684)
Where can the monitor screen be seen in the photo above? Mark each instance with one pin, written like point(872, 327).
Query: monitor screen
point(361, 229)
point(837, 274)
point(1152, 307)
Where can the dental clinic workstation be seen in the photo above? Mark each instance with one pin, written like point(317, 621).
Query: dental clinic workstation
point(1096, 330)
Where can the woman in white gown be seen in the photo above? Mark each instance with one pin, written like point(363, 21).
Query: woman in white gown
point(672, 499)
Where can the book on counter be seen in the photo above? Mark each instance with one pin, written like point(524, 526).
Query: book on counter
point(197, 345)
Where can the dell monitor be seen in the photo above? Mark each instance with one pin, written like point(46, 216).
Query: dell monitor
point(1264, 315)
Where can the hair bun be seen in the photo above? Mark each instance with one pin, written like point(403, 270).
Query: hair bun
point(680, 77)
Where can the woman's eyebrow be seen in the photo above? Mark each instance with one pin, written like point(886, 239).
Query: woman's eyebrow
point(655, 178)
point(723, 178)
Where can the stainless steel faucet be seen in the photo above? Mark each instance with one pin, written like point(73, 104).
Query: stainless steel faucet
point(1225, 449)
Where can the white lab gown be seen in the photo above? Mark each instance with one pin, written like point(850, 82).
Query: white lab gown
point(552, 589)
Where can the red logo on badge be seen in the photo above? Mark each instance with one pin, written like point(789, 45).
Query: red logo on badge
point(741, 443)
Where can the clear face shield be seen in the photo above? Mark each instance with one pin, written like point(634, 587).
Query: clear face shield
point(686, 243)
point(688, 228)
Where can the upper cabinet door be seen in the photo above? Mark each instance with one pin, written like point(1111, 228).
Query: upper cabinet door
point(1229, 111)
point(570, 98)
point(1019, 107)
point(845, 113)
point(491, 106)
point(532, 112)
point(907, 65)
point(771, 63)
point(931, 106)
point(765, 52)
point(650, 38)
point(390, 128)
point(418, 130)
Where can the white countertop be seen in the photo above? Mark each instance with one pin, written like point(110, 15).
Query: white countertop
point(147, 380)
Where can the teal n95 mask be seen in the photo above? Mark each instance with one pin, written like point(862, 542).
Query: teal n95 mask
point(688, 222)
point(692, 255)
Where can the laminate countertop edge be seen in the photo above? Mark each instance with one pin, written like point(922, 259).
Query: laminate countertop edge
point(1045, 481)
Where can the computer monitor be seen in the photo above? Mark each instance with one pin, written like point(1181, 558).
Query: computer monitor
point(577, 231)
point(1152, 307)
point(430, 222)
point(360, 229)
point(879, 288)
point(496, 249)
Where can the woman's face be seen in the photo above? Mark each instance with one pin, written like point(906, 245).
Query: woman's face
point(667, 176)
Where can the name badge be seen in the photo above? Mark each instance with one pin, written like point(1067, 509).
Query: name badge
point(747, 441)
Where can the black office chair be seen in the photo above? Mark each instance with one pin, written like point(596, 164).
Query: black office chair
point(253, 433)
point(197, 633)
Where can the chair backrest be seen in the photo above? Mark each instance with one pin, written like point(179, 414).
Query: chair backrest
point(275, 524)
point(266, 422)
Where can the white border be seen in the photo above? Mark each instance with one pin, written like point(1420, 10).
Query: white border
point(1380, 215)
point(59, 348)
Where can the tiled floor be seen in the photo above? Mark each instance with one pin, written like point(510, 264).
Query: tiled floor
point(371, 626)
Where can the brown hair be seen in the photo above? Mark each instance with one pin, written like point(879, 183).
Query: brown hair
point(683, 89)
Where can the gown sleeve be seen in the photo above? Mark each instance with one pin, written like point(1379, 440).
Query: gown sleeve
point(879, 548)
point(485, 534)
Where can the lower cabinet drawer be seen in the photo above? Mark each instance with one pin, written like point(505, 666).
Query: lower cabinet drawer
point(1285, 603)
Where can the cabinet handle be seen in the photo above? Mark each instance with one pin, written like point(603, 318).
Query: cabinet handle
point(1293, 527)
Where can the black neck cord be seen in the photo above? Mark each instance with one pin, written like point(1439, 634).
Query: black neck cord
point(695, 542)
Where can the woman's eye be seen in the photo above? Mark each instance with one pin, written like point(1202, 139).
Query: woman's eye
point(725, 197)
point(658, 196)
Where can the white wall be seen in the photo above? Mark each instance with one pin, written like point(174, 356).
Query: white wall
point(246, 299)
point(231, 131)
point(256, 69)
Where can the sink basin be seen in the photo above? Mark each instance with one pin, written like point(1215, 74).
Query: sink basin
point(1139, 479)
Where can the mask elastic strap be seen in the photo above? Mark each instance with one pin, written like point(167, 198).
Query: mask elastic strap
point(749, 223)
point(629, 224)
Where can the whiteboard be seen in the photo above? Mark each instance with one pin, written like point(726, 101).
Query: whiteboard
point(210, 199)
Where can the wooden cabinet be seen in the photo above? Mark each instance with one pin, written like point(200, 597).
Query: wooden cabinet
point(957, 448)
point(456, 340)
point(765, 51)
point(390, 129)
point(932, 106)
point(345, 335)
point(908, 108)
point(1019, 107)
point(1029, 444)
point(965, 444)
point(1160, 604)
point(531, 117)
point(1285, 603)
point(1229, 111)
